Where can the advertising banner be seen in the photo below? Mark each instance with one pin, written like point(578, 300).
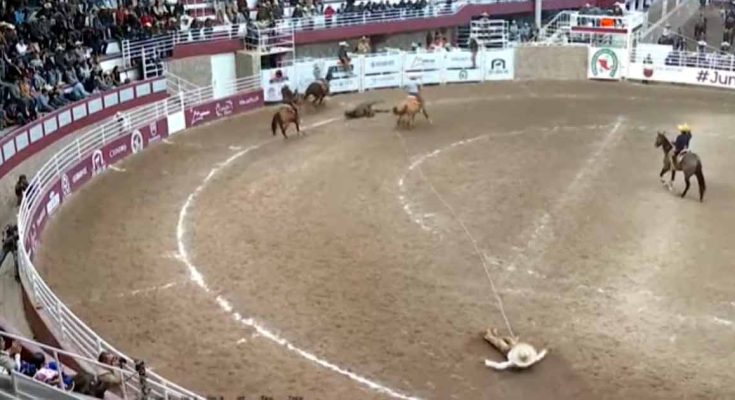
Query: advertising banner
point(221, 108)
point(48, 203)
point(685, 75)
point(499, 65)
point(463, 75)
point(274, 79)
point(381, 81)
point(382, 64)
point(606, 63)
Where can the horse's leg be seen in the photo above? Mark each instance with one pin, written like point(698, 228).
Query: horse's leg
point(663, 171)
point(686, 188)
point(298, 128)
point(283, 130)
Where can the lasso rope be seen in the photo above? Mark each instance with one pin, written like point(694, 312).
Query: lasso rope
point(498, 299)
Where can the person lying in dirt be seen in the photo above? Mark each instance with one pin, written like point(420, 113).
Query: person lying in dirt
point(518, 354)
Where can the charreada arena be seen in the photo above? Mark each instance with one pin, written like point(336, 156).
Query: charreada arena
point(385, 256)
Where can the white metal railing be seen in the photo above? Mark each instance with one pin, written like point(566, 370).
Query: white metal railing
point(164, 44)
point(490, 33)
point(278, 40)
point(62, 320)
point(88, 364)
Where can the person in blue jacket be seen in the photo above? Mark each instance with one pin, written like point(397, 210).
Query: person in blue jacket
point(681, 144)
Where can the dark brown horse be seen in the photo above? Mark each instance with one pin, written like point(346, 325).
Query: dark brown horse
point(286, 114)
point(319, 89)
point(690, 164)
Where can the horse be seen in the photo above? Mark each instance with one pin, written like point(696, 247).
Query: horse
point(290, 97)
point(319, 89)
point(286, 114)
point(364, 110)
point(690, 164)
point(406, 111)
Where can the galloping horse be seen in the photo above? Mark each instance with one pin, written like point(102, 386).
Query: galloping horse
point(286, 114)
point(290, 97)
point(406, 111)
point(690, 164)
point(319, 89)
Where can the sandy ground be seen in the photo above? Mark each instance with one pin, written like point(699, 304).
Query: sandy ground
point(348, 244)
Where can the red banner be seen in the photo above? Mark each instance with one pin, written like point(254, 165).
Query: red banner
point(48, 203)
point(207, 112)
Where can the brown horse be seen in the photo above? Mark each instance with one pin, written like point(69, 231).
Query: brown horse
point(319, 89)
point(406, 111)
point(290, 97)
point(286, 114)
point(690, 164)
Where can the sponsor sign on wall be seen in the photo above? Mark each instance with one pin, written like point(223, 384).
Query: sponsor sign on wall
point(606, 63)
point(48, 203)
point(221, 108)
point(686, 75)
point(499, 65)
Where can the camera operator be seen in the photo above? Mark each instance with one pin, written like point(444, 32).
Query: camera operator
point(20, 188)
point(10, 246)
point(109, 379)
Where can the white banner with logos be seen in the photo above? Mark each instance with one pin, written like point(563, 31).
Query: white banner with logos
point(686, 75)
point(499, 65)
point(391, 70)
point(606, 63)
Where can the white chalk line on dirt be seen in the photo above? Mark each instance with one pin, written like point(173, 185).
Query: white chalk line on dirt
point(197, 277)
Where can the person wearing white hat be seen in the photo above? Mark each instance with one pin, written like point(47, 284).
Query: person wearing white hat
point(344, 58)
point(413, 87)
point(518, 354)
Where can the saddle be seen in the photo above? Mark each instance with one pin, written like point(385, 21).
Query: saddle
point(678, 158)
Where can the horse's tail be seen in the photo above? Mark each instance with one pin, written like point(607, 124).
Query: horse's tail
point(399, 111)
point(700, 180)
point(275, 121)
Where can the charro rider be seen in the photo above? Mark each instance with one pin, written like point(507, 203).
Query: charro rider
point(344, 58)
point(681, 144)
point(413, 87)
point(518, 354)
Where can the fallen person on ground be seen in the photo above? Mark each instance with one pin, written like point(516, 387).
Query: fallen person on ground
point(364, 109)
point(518, 354)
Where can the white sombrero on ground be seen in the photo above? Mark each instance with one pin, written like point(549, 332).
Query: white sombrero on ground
point(522, 355)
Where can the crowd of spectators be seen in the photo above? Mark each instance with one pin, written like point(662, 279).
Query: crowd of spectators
point(41, 368)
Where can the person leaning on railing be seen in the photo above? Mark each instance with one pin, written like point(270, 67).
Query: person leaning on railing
point(10, 357)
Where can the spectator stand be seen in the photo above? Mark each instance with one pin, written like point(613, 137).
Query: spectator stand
point(666, 56)
point(36, 377)
point(579, 27)
point(275, 46)
point(149, 54)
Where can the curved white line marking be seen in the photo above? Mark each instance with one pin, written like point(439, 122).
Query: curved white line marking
point(226, 306)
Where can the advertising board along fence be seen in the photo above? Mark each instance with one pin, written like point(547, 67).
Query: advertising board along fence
point(660, 63)
point(31, 138)
point(88, 156)
point(391, 69)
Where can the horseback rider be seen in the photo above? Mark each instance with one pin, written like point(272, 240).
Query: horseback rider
point(413, 87)
point(681, 144)
point(344, 58)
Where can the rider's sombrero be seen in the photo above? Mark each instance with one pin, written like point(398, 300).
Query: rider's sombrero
point(684, 128)
point(522, 355)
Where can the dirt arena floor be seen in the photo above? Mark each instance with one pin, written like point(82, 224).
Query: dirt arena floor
point(336, 265)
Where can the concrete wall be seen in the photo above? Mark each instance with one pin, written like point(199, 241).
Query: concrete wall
point(197, 70)
point(246, 64)
point(551, 63)
point(400, 41)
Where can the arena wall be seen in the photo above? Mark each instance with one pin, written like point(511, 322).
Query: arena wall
point(551, 63)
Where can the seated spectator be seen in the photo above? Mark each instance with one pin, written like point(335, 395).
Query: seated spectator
point(50, 375)
point(10, 357)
